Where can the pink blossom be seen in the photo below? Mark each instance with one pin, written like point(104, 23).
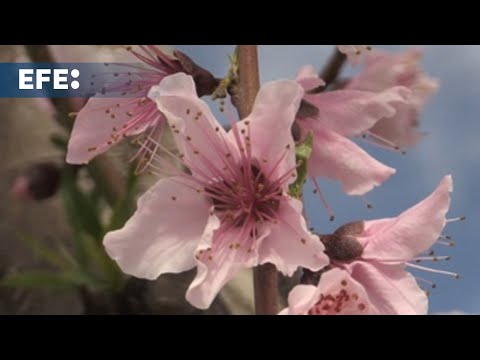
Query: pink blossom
point(385, 70)
point(388, 247)
point(336, 116)
point(105, 121)
point(231, 210)
point(337, 293)
point(354, 53)
point(79, 54)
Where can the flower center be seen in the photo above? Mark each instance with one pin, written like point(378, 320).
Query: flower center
point(251, 196)
point(335, 303)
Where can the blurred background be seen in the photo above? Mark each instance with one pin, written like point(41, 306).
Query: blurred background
point(50, 264)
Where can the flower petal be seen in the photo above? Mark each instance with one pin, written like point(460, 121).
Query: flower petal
point(414, 231)
point(269, 126)
point(301, 299)
point(308, 78)
point(337, 293)
point(391, 289)
point(400, 129)
point(163, 233)
point(102, 123)
point(352, 112)
point(198, 135)
point(218, 262)
point(337, 158)
point(383, 70)
point(290, 244)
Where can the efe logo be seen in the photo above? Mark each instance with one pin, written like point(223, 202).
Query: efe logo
point(29, 79)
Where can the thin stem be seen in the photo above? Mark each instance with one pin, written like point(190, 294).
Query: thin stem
point(105, 174)
point(264, 276)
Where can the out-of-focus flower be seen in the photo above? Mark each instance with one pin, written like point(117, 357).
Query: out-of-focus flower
point(336, 116)
point(38, 182)
point(384, 70)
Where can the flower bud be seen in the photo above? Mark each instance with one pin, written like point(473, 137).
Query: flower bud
point(38, 182)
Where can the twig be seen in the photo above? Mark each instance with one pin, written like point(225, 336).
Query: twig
point(264, 276)
point(331, 70)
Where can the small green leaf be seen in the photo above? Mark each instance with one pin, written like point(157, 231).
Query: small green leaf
point(303, 151)
point(47, 254)
point(42, 279)
point(60, 141)
point(97, 256)
point(125, 207)
point(227, 83)
point(82, 213)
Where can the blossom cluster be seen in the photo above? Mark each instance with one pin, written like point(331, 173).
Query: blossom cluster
point(224, 201)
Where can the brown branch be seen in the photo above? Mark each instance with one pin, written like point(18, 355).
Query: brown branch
point(264, 276)
point(331, 70)
point(105, 174)
point(249, 79)
point(265, 286)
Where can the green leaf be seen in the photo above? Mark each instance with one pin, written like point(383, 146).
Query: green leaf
point(303, 151)
point(98, 257)
point(229, 81)
point(81, 212)
point(125, 207)
point(53, 258)
point(60, 141)
point(42, 279)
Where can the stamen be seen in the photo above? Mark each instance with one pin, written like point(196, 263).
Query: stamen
point(432, 258)
point(385, 141)
point(430, 283)
point(317, 190)
point(446, 243)
point(436, 271)
point(365, 201)
point(460, 218)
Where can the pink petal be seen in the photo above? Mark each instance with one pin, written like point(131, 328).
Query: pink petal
point(337, 158)
point(336, 294)
point(290, 244)
point(98, 124)
point(218, 263)
point(383, 70)
point(269, 126)
point(400, 129)
point(351, 113)
point(162, 235)
point(308, 78)
point(198, 135)
point(390, 288)
point(373, 227)
point(414, 231)
point(301, 299)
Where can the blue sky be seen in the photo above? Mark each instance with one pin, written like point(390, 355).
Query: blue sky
point(452, 121)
